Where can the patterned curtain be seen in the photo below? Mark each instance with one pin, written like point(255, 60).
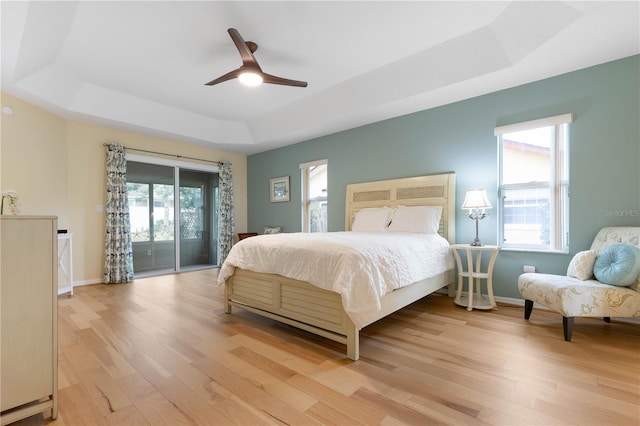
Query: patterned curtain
point(226, 226)
point(118, 256)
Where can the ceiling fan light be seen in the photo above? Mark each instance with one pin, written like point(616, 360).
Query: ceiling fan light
point(250, 79)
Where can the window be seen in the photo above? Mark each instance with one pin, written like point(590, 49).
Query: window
point(314, 196)
point(534, 184)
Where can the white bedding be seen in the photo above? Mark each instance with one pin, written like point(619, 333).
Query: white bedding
point(362, 267)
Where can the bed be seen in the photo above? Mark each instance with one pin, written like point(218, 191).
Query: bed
point(322, 311)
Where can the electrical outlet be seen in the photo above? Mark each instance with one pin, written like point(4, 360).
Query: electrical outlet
point(529, 268)
point(148, 252)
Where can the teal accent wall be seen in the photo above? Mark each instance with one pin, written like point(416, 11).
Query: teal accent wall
point(604, 159)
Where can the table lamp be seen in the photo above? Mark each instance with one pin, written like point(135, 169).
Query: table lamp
point(476, 202)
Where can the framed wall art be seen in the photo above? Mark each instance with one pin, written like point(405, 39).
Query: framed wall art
point(279, 189)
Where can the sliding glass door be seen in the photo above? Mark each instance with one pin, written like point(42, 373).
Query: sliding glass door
point(171, 229)
point(150, 189)
point(198, 192)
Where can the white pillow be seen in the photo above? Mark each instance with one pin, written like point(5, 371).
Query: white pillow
point(581, 266)
point(372, 219)
point(416, 219)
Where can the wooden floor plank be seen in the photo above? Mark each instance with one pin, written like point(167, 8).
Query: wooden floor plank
point(364, 411)
point(328, 415)
point(241, 413)
point(257, 396)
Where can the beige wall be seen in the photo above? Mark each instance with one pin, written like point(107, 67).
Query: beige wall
point(57, 167)
point(34, 159)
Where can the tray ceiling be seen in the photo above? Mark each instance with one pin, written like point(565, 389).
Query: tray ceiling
point(142, 66)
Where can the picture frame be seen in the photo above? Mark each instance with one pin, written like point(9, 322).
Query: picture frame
point(279, 189)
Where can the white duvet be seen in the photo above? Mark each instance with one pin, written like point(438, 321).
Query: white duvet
point(361, 267)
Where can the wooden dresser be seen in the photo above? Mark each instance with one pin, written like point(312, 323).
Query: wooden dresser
point(29, 316)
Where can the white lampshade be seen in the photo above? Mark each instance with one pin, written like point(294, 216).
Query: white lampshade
point(250, 78)
point(476, 199)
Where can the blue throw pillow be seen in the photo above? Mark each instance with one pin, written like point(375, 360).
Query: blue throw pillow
point(618, 264)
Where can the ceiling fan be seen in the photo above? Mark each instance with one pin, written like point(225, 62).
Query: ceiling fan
point(250, 72)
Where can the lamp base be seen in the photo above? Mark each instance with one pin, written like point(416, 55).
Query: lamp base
point(476, 241)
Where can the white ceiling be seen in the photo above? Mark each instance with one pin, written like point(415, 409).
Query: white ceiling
point(142, 65)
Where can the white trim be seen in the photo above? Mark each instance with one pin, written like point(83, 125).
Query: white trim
point(520, 302)
point(88, 282)
point(526, 125)
point(66, 290)
point(171, 162)
point(176, 218)
point(313, 163)
point(558, 183)
point(304, 177)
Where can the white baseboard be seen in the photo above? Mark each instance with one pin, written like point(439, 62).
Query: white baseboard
point(88, 282)
point(63, 290)
point(520, 302)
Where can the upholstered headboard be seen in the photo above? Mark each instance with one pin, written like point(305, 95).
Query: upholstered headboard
point(432, 190)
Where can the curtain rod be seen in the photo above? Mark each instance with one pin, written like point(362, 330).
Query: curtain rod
point(178, 156)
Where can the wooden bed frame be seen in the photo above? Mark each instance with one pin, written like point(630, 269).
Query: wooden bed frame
point(320, 311)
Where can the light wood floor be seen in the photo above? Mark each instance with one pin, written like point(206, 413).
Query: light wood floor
point(161, 351)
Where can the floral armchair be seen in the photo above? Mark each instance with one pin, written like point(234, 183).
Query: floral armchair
point(584, 296)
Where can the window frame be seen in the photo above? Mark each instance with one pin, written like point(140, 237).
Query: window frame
point(306, 200)
point(558, 185)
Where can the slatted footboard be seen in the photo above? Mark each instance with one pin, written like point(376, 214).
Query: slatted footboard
point(293, 302)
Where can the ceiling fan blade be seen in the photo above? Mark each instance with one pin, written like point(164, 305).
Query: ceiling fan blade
point(228, 76)
point(245, 52)
point(272, 79)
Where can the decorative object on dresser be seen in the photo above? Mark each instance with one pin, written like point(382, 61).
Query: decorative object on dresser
point(9, 202)
point(29, 316)
point(476, 202)
point(474, 275)
point(320, 309)
point(579, 293)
